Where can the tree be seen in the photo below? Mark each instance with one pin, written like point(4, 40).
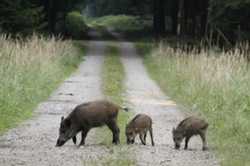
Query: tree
point(21, 17)
point(159, 17)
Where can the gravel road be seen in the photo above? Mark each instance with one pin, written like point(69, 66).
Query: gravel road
point(146, 97)
point(33, 142)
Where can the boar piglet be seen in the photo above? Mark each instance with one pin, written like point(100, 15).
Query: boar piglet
point(189, 127)
point(87, 116)
point(140, 124)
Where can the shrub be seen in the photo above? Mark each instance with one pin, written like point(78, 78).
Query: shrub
point(75, 25)
point(122, 23)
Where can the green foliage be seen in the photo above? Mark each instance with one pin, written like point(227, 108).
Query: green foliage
point(116, 7)
point(229, 15)
point(21, 17)
point(29, 71)
point(75, 25)
point(121, 23)
point(216, 86)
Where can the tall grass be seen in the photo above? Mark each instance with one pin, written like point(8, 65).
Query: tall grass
point(213, 84)
point(29, 70)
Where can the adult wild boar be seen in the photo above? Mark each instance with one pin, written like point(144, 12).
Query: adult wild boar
point(140, 124)
point(189, 127)
point(87, 116)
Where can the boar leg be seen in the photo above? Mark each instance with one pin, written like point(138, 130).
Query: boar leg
point(74, 139)
point(145, 136)
point(186, 142)
point(151, 135)
point(204, 141)
point(115, 130)
point(141, 138)
point(84, 134)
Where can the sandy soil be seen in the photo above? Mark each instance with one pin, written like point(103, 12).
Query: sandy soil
point(145, 97)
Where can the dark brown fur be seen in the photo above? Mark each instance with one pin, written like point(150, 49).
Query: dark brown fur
point(140, 124)
point(86, 116)
point(189, 127)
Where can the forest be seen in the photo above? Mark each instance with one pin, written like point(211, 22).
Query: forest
point(226, 20)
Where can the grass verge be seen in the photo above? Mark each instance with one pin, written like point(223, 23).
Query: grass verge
point(112, 77)
point(30, 70)
point(215, 86)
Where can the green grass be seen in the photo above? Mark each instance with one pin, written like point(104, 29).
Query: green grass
point(117, 156)
point(216, 87)
point(112, 83)
point(30, 70)
point(120, 23)
point(131, 27)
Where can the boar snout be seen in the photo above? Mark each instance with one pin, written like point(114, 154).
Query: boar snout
point(60, 143)
point(130, 141)
point(177, 146)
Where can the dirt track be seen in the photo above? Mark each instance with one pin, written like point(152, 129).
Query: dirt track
point(33, 142)
point(146, 97)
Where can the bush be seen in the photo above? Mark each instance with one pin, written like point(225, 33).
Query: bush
point(75, 25)
point(122, 23)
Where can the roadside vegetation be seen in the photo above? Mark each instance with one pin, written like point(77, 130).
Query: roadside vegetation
point(75, 25)
point(120, 23)
point(132, 27)
point(112, 77)
point(212, 84)
point(29, 70)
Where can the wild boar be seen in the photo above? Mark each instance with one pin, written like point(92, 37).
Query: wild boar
point(140, 124)
point(87, 116)
point(189, 127)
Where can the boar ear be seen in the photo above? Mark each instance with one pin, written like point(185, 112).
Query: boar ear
point(62, 118)
point(173, 130)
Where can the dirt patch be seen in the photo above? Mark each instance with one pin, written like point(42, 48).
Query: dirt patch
point(33, 142)
point(145, 97)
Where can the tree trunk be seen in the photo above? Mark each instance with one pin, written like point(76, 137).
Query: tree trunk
point(180, 17)
point(159, 17)
point(174, 16)
point(51, 14)
point(204, 16)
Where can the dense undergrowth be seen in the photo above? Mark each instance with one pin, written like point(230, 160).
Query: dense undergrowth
point(130, 27)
